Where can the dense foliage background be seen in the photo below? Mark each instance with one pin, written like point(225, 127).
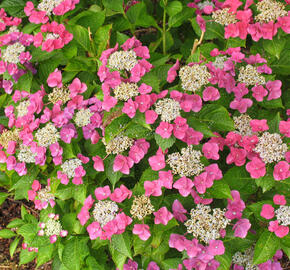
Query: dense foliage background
point(148, 134)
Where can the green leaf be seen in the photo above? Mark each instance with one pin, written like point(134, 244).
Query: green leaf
point(122, 243)
point(3, 197)
point(225, 261)
point(137, 15)
point(236, 42)
point(219, 190)
point(217, 117)
point(2, 100)
point(173, 8)
point(75, 250)
point(28, 231)
point(118, 257)
point(272, 104)
point(5, 233)
point(282, 66)
point(24, 83)
point(274, 46)
point(164, 143)
point(266, 182)
point(44, 254)
point(26, 256)
point(81, 35)
point(14, 7)
point(93, 264)
point(13, 246)
point(180, 17)
point(239, 179)
point(266, 247)
point(102, 38)
point(198, 125)
point(15, 223)
point(114, 177)
point(116, 5)
point(171, 263)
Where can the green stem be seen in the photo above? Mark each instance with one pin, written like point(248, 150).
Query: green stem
point(164, 32)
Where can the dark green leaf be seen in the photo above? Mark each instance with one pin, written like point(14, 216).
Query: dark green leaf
point(116, 5)
point(3, 197)
point(14, 7)
point(122, 243)
point(274, 46)
point(266, 247)
point(173, 8)
point(219, 190)
point(164, 143)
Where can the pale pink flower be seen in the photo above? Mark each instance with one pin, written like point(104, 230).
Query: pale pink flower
point(284, 127)
point(157, 162)
point(123, 164)
point(102, 193)
point(130, 108)
point(150, 116)
point(166, 179)
point(55, 79)
point(178, 211)
point(259, 125)
point(256, 168)
point(177, 241)
point(281, 170)
point(211, 150)
point(268, 211)
point(242, 227)
point(184, 186)
point(98, 164)
point(120, 194)
point(153, 188)
point(216, 247)
point(279, 199)
point(279, 230)
point(210, 94)
point(164, 130)
point(171, 75)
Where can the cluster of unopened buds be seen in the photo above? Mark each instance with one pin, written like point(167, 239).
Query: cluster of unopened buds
point(52, 228)
point(260, 20)
point(29, 249)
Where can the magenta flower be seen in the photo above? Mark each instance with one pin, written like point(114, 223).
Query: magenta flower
point(184, 186)
point(120, 194)
point(235, 206)
point(259, 125)
point(130, 265)
point(284, 127)
point(130, 108)
point(241, 104)
point(216, 247)
point(164, 130)
point(210, 94)
point(166, 179)
point(213, 172)
point(153, 266)
point(259, 92)
point(157, 162)
point(150, 116)
point(77, 87)
point(242, 227)
point(256, 168)
point(123, 164)
point(211, 150)
point(274, 88)
point(202, 182)
point(268, 211)
point(177, 241)
point(162, 216)
point(102, 193)
point(237, 156)
point(142, 230)
point(279, 199)
point(98, 164)
point(281, 170)
point(279, 230)
point(171, 75)
point(178, 211)
point(55, 79)
point(153, 188)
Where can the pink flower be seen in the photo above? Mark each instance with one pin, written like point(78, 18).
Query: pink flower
point(241, 104)
point(98, 164)
point(180, 127)
point(94, 230)
point(77, 87)
point(164, 130)
point(284, 23)
point(150, 116)
point(213, 172)
point(171, 75)
point(120, 194)
point(184, 186)
point(233, 5)
point(237, 156)
point(281, 170)
point(201, 22)
point(211, 150)
point(284, 127)
point(259, 125)
point(102, 193)
point(123, 164)
point(143, 102)
point(11, 147)
point(279, 230)
point(153, 188)
point(242, 227)
point(279, 199)
point(177, 241)
point(142, 230)
point(235, 206)
point(157, 162)
point(274, 88)
point(130, 108)
point(108, 103)
point(131, 265)
point(268, 211)
point(210, 94)
point(216, 247)
point(256, 168)
point(162, 216)
point(259, 92)
point(55, 79)
point(153, 266)
point(179, 211)
point(145, 89)
point(166, 179)
point(192, 136)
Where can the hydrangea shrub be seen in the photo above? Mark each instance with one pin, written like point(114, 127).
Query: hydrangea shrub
point(146, 134)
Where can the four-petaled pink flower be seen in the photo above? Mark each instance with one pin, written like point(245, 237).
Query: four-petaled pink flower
point(184, 186)
point(162, 216)
point(256, 168)
point(242, 227)
point(142, 230)
point(268, 211)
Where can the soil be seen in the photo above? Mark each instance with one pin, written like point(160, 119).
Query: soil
point(10, 210)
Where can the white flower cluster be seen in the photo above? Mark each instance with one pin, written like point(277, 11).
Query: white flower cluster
point(83, 117)
point(204, 225)
point(187, 163)
point(204, 4)
point(59, 94)
point(48, 5)
point(26, 155)
point(122, 60)
point(219, 62)
point(242, 124)
point(47, 135)
point(168, 108)
point(22, 108)
point(245, 259)
point(12, 52)
point(271, 147)
point(52, 227)
point(141, 207)
point(118, 144)
point(193, 78)
point(270, 10)
point(125, 91)
point(105, 211)
point(224, 17)
point(283, 215)
point(69, 166)
point(44, 195)
point(250, 76)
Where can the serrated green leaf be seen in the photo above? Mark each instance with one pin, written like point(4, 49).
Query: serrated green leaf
point(116, 5)
point(163, 142)
point(15, 223)
point(114, 177)
point(274, 46)
point(122, 243)
point(171, 263)
point(180, 17)
point(219, 190)
point(81, 35)
point(14, 7)
point(266, 182)
point(5, 233)
point(266, 247)
point(200, 126)
point(118, 257)
point(13, 246)
point(102, 38)
point(44, 254)
point(26, 256)
point(225, 261)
